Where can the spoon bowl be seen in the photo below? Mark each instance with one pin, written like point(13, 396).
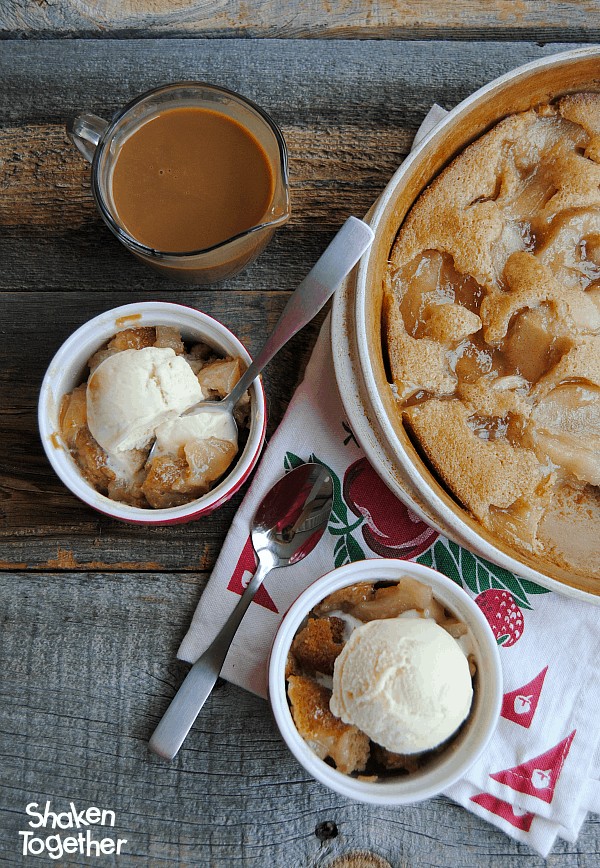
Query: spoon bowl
point(288, 524)
point(291, 520)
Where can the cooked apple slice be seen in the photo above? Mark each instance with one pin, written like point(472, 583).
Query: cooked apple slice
point(218, 378)
point(162, 486)
point(169, 337)
point(207, 460)
point(73, 414)
point(133, 339)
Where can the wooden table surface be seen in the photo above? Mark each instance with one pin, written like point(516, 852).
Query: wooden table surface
point(93, 610)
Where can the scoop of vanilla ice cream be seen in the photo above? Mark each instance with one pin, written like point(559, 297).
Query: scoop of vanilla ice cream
point(405, 682)
point(172, 435)
point(132, 392)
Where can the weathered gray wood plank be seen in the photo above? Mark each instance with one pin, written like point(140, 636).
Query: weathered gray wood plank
point(375, 19)
point(348, 127)
point(365, 83)
point(88, 668)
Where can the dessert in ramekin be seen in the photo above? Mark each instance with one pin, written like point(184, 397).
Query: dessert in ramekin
point(69, 371)
point(421, 757)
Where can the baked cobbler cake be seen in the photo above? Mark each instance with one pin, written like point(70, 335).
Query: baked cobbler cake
point(492, 330)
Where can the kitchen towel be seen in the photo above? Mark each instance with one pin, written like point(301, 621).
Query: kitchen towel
point(539, 775)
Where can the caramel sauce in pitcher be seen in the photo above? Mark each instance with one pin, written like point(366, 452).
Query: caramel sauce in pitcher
point(191, 178)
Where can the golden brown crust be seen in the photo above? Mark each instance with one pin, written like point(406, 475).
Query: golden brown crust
point(346, 598)
point(133, 339)
point(347, 746)
point(416, 364)
point(467, 223)
point(73, 414)
point(582, 362)
point(531, 283)
point(482, 473)
point(92, 460)
point(449, 324)
point(318, 644)
point(582, 109)
point(159, 486)
point(491, 303)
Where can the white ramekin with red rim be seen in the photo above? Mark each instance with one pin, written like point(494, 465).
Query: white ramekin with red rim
point(450, 765)
point(68, 369)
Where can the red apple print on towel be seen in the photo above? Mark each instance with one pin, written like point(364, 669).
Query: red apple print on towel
point(390, 529)
point(538, 776)
point(502, 614)
point(243, 572)
point(362, 501)
point(519, 705)
point(503, 809)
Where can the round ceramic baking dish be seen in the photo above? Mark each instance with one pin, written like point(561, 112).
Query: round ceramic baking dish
point(452, 763)
point(68, 369)
point(356, 322)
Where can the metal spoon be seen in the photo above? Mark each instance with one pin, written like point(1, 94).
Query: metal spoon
point(338, 259)
point(288, 524)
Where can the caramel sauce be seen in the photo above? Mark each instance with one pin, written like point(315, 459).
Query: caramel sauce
point(189, 179)
point(472, 359)
point(433, 280)
point(131, 317)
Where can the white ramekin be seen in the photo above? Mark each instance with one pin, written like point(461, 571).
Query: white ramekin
point(450, 765)
point(68, 369)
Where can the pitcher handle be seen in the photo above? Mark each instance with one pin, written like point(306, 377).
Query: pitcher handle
point(85, 131)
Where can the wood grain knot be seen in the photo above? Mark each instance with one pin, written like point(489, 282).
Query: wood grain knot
point(326, 831)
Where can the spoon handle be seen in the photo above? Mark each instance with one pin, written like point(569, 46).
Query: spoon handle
point(185, 706)
point(336, 261)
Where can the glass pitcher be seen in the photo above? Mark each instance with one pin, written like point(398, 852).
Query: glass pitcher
point(100, 141)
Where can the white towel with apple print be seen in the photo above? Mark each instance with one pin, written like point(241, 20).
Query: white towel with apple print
point(539, 776)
